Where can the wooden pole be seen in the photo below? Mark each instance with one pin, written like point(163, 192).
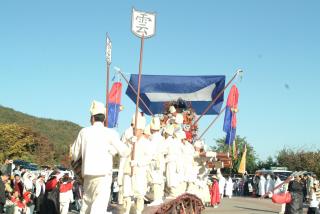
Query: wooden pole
point(107, 96)
point(213, 121)
point(217, 97)
point(136, 93)
point(138, 99)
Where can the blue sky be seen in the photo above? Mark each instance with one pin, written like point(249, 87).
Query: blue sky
point(52, 59)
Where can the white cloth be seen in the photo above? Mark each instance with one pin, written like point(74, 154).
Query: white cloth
point(64, 207)
point(278, 182)
point(188, 162)
point(269, 184)
point(142, 160)
point(222, 184)
point(96, 145)
point(27, 182)
point(158, 151)
point(40, 186)
point(314, 202)
point(229, 187)
point(174, 162)
point(96, 194)
point(66, 197)
point(262, 186)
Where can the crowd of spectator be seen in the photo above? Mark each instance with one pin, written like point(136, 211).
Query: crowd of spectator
point(47, 191)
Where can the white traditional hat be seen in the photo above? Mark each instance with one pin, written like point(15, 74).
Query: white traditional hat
point(180, 135)
point(172, 109)
point(141, 121)
point(169, 129)
point(179, 119)
point(147, 130)
point(155, 123)
point(97, 108)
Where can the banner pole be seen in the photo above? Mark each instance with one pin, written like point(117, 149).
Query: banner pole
point(136, 93)
point(107, 96)
point(138, 99)
point(213, 121)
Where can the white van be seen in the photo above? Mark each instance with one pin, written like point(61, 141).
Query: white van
point(282, 172)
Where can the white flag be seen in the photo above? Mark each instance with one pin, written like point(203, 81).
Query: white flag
point(143, 23)
point(108, 50)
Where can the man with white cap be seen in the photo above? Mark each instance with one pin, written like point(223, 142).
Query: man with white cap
point(174, 162)
point(124, 166)
point(95, 146)
point(200, 166)
point(140, 164)
point(157, 165)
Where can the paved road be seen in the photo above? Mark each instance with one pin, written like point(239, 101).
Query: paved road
point(245, 205)
point(241, 205)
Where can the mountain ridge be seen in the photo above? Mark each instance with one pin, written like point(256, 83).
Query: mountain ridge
point(61, 133)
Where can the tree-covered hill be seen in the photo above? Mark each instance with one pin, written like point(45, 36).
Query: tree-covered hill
point(59, 133)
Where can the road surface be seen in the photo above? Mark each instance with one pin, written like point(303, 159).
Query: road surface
point(237, 205)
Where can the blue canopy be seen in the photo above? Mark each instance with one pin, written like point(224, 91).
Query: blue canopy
point(157, 90)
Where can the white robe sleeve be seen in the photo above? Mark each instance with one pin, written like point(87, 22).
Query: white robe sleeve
point(119, 146)
point(76, 148)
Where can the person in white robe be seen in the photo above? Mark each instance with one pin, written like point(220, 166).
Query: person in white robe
point(222, 184)
point(202, 171)
point(173, 160)
point(157, 164)
point(277, 183)
point(269, 183)
point(262, 185)
point(229, 187)
point(140, 165)
point(95, 146)
point(127, 165)
point(126, 139)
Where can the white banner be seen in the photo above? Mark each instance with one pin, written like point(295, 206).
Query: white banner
point(108, 50)
point(143, 23)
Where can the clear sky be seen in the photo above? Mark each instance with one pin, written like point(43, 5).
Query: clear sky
point(52, 59)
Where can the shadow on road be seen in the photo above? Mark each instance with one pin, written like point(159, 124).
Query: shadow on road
point(246, 208)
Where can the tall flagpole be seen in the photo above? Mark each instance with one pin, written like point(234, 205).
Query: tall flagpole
point(107, 96)
point(134, 91)
point(213, 121)
point(108, 59)
point(143, 25)
point(139, 83)
point(138, 99)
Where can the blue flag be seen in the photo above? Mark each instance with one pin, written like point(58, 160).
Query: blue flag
point(197, 91)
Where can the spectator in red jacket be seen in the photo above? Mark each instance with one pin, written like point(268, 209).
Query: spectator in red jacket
point(215, 193)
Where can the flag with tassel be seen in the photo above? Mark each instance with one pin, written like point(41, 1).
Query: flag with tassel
point(230, 119)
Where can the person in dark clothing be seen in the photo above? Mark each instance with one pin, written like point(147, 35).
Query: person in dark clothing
point(51, 203)
point(296, 190)
point(17, 185)
point(3, 181)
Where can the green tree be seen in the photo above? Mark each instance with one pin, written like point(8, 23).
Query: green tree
point(300, 160)
point(18, 142)
point(251, 157)
point(267, 164)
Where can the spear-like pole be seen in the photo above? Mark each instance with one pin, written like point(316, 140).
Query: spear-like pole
point(138, 99)
point(217, 97)
point(213, 121)
point(134, 90)
point(108, 60)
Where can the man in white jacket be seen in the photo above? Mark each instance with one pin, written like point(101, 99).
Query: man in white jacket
point(95, 146)
point(174, 173)
point(134, 184)
point(157, 165)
